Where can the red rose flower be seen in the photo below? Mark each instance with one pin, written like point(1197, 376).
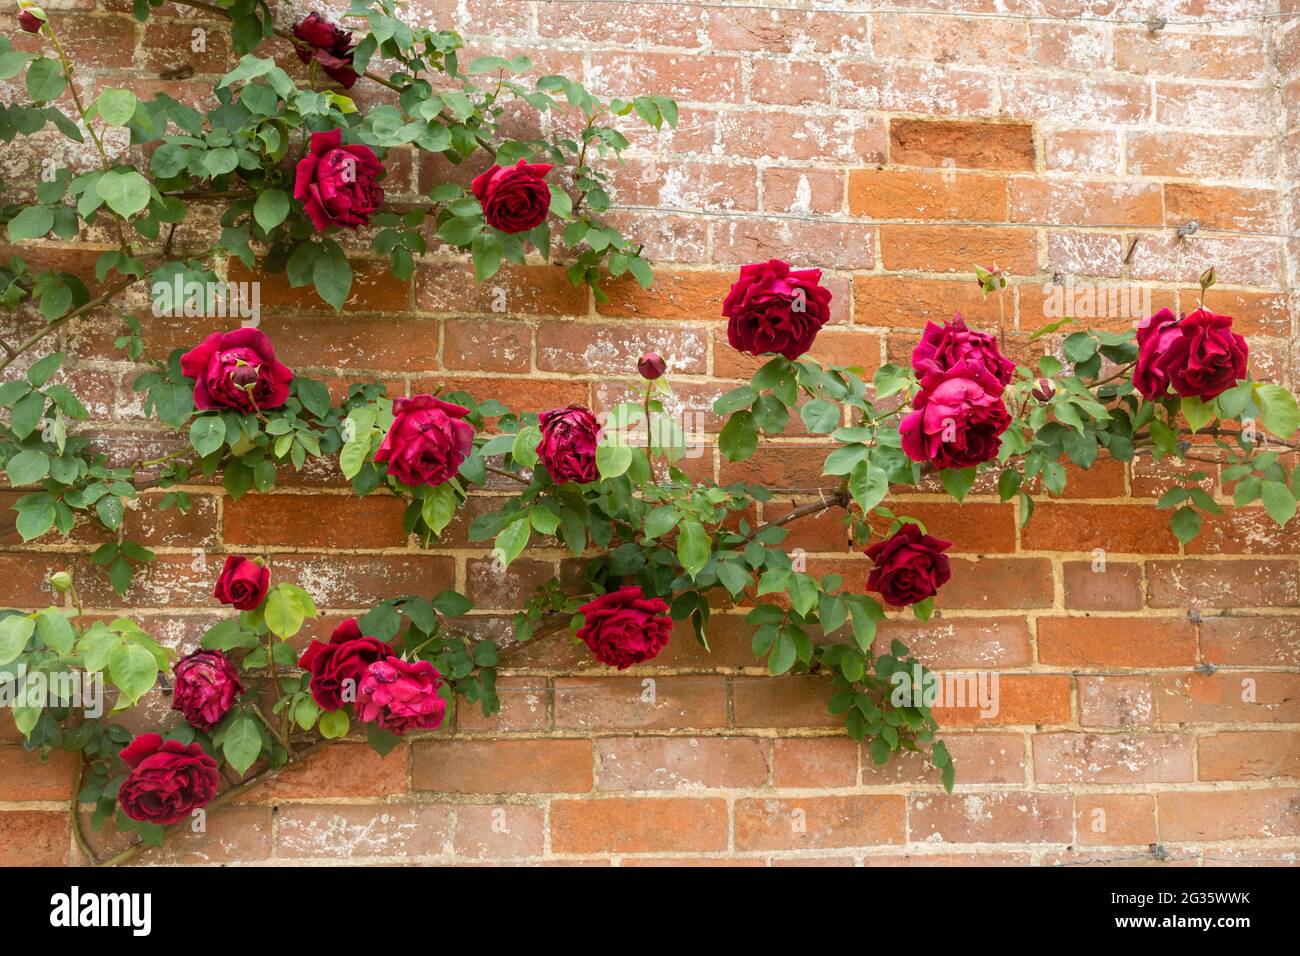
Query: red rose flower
point(909, 567)
point(401, 695)
point(1200, 356)
point(568, 445)
point(237, 370)
point(624, 627)
point(207, 684)
point(957, 418)
point(168, 779)
point(242, 583)
point(945, 346)
point(427, 441)
point(772, 309)
point(337, 184)
point(30, 21)
point(514, 198)
point(329, 46)
point(346, 658)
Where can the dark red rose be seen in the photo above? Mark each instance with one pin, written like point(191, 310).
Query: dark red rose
point(401, 695)
point(624, 627)
point(427, 441)
point(207, 684)
point(944, 346)
point(568, 445)
point(909, 567)
point(1200, 356)
point(237, 370)
point(242, 583)
point(1043, 390)
point(346, 658)
point(168, 779)
point(30, 21)
point(772, 309)
point(337, 184)
point(651, 366)
point(514, 198)
point(329, 46)
point(957, 419)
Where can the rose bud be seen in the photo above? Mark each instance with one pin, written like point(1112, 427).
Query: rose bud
point(31, 19)
point(207, 684)
point(60, 581)
point(651, 365)
point(242, 583)
point(1043, 390)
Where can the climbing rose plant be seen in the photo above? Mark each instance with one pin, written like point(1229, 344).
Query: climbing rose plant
point(295, 166)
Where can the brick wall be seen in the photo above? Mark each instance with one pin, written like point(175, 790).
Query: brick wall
point(894, 151)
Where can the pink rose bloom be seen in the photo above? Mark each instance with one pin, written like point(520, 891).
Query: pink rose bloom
point(568, 445)
point(1200, 356)
point(427, 441)
point(401, 695)
point(773, 309)
point(207, 684)
point(624, 627)
point(945, 346)
point(337, 184)
point(514, 198)
point(957, 418)
point(237, 370)
point(346, 657)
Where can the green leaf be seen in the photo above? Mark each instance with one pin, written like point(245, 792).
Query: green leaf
point(116, 107)
point(15, 631)
point(45, 80)
point(125, 192)
point(957, 481)
point(739, 438)
point(271, 207)
point(524, 447)
point(55, 631)
point(207, 434)
point(613, 460)
point(1278, 411)
point(868, 484)
point(820, 416)
point(1278, 500)
point(439, 507)
point(285, 611)
point(133, 669)
point(332, 275)
point(334, 724)
point(693, 546)
point(784, 654)
point(513, 539)
point(32, 222)
point(1197, 413)
point(1186, 524)
point(660, 521)
point(27, 467)
point(242, 743)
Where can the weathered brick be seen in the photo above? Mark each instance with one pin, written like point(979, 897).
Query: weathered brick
point(628, 825)
point(1094, 642)
point(818, 823)
point(1112, 758)
point(681, 763)
point(991, 817)
point(502, 766)
point(969, 144)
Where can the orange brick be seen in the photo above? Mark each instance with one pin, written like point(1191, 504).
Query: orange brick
point(638, 825)
point(819, 823)
point(1248, 755)
point(970, 144)
point(958, 248)
point(502, 766)
point(25, 776)
point(1115, 819)
point(1228, 814)
point(1221, 207)
point(336, 770)
point(807, 762)
point(992, 817)
point(1021, 699)
point(902, 302)
point(315, 521)
point(374, 289)
point(1112, 758)
point(906, 194)
point(1116, 641)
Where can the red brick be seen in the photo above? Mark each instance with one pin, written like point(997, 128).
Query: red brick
point(1225, 696)
point(658, 703)
point(1228, 584)
point(785, 702)
point(638, 825)
point(487, 346)
point(34, 838)
point(681, 763)
point(386, 831)
point(1096, 642)
point(1115, 819)
point(315, 521)
point(26, 776)
point(953, 642)
point(613, 349)
point(1252, 641)
point(807, 762)
point(1248, 755)
point(1229, 814)
point(335, 770)
point(503, 832)
point(996, 583)
point(991, 817)
point(1116, 701)
point(902, 302)
point(818, 823)
point(1112, 758)
point(958, 248)
point(969, 144)
point(502, 766)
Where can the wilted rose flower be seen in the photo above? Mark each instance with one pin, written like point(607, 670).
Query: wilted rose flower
point(337, 184)
point(624, 627)
point(329, 46)
point(1200, 356)
point(909, 566)
point(957, 419)
point(427, 441)
point(568, 445)
point(1043, 390)
point(242, 583)
point(514, 198)
point(168, 779)
point(237, 370)
point(207, 683)
point(340, 664)
point(401, 695)
point(773, 309)
point(945, 346)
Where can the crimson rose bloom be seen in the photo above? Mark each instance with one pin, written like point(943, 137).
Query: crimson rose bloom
point(427, 441)
point(331, 47)
point(337, 183)
point(346, 657)
point(237, 370)
point(568, 445)
point(1200, 356)
point(944, 346)
point(242, 583)
point(514, 198)
point(168, 779)
point(207, 684)
point(401, 695)
point(957, 418)
point(624, 627)
point(909, 567)
point(772, 309)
